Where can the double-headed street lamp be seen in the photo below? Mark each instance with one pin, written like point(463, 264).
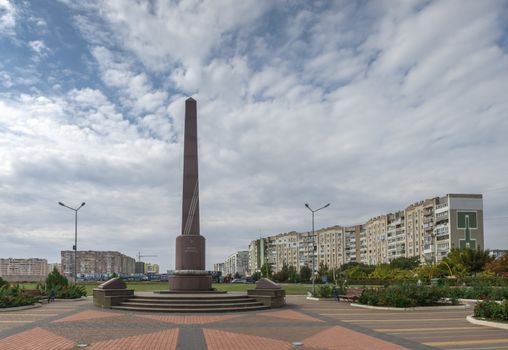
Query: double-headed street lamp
point(75, 234)
point(314, 244)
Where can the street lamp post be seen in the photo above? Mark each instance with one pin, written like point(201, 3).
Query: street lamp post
point(75, 234)
point(314, 244)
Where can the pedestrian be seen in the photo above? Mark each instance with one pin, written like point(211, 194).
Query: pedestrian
point(51, 296)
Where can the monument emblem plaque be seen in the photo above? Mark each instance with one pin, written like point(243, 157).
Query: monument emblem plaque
point(190, 274)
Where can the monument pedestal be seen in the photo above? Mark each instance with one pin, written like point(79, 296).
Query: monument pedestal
point(190, 283)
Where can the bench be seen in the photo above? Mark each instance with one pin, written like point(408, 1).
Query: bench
point(352, 294)
point(35, 293)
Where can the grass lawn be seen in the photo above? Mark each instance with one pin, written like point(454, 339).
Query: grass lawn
point(291, 289)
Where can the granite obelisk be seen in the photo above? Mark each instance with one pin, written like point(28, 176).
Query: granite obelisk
point(190, 274)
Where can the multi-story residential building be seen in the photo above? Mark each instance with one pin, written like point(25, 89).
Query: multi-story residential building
point(52, 266)
point(93, 263)
point(396, 235)
point(376, 240)
point(330, 246)
point(237, 263)
point(23, 270)
point(352, 243)
point(256, 254)
point(428, 229)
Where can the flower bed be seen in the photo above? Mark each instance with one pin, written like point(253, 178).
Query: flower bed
point(404, 296)
point(491, 310)
point(12, 296)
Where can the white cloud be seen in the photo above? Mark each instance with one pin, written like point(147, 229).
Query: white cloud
point(7, 17)
point(369, 107)
point(39, 47)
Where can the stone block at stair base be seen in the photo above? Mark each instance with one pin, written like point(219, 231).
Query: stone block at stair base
point(106, 298)
point(269, 293)
point(269, 297)
point(190, 283)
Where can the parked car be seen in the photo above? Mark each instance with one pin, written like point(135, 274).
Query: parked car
point(239, 280)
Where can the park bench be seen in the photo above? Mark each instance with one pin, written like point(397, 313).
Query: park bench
point(32, 293)
point(352, 294)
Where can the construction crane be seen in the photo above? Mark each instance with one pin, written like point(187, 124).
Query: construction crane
point(145, 256)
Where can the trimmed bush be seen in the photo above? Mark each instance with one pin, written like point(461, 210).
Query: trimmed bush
point(491, 310)
point(403, 295)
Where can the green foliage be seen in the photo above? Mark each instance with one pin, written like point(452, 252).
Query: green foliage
point(305, 273)
point(3, 282)
point(480, 291)
point(60, 285)
point(294, 276)
point(467, 261)
point(325, 291)
point(12, 296)
point(491, 310)
point(114, 275)
point(387, 272)
point(405, 263)
point(266, 270)
point(357, 271)
point(283, 274)
point(323, 270)
point(402, 295)
point(499, 265)
point(56, 280)
point(256, 276)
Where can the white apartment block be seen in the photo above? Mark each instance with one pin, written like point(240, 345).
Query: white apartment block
point(23, 270)
point(237, 263)
point(428, 229)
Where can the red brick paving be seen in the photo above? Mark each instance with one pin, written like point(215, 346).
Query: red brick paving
point(221, 340)
point(86, 315)
point(189, 319)
point(345, 339)
point(291, 315)
point(163, 340)
point(35, 339)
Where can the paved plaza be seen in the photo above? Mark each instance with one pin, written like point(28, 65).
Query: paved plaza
point(303, 324)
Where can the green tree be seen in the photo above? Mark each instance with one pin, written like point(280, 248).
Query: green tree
point(266, 270)
point(55, 280)
point(499, 265)
point(293, 275)
point(305, 273)
point(468, 260)
point(405, 263)
point(256, 276)
point(3, 283)
point(323, 270)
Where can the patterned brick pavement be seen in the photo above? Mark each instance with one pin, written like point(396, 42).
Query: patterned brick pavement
point(287, 328)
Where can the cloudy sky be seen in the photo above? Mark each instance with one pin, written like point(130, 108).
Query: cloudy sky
point(368, 105)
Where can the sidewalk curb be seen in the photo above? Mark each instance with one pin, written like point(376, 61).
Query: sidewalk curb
point(19, 308)
point(418, 308)
point(493, 324)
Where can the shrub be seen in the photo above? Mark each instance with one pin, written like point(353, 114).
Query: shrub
point(492, 310)
point(326, 291)
point(60, 285)
point(11, 296)
point(402, 295)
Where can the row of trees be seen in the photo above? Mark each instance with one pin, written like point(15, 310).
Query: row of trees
point(458, 263)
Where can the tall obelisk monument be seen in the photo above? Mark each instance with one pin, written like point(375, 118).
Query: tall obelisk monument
point(190, 273)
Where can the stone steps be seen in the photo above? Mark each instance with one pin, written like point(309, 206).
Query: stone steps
point(191, 303)
point(191, 310)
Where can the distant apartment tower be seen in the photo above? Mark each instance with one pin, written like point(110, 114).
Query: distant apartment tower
point(257, 254)
point(151, 268)
point(92, 263)
point(330, 247)
point(237, 263)
point(139, 267)
point(23, 270)
point(219, 267)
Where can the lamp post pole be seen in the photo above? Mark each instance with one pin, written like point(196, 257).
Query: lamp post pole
point(75, 234)
point(314, 244)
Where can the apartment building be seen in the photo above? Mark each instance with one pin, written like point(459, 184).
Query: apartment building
point(94, 263)
point(237, 263)
point(23, 270)
point(428, 229)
